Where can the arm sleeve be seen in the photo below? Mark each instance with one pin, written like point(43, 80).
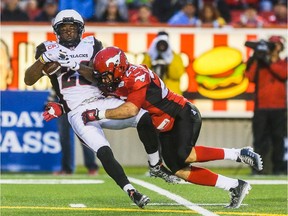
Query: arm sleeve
point(97, 47)
point(40, 49)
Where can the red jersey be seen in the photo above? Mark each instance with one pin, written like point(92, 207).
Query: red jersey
point(272, 91)
point(146, 90)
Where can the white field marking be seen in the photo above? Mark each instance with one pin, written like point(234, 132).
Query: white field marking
point(267, 182)
point(78, 205)
point(257, 182)
point(50, 181)
point(174, 197)
point(199, 204)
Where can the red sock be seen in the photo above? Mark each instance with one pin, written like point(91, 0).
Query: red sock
point(204, 153)
point(202, 176)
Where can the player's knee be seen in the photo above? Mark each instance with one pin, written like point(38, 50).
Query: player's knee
point(105, 154)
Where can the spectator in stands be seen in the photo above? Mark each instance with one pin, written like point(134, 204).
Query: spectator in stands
point(186, 16)
point(143, 15)
point(112, 13)
point(280, 14)
point(165, 9)
point(241, 4)
point(102, 5)
point(86, 8)
point(165, 62)
point(265, 5)
point(32, 9)
point(221, 6)
point(12, 12)
point(250, 18)
point(209, 16)
point(50, 10)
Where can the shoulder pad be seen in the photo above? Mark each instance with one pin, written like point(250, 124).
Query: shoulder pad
point(43, 47)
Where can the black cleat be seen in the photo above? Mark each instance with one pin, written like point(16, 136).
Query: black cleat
point(248, 156)
point(159, 170)
point(238, 194)
point(139, 199)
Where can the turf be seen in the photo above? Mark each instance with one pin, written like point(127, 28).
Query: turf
point(109, 199)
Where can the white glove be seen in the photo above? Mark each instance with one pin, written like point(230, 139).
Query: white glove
point(69, 62)
point(50, 56)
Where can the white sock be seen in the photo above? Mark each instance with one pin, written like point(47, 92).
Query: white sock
point(128, 187)
point(153, 158)
point(226, 183)
point(231, 154)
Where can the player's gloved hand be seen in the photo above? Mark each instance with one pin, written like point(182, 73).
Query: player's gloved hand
point(69, 63)
point(52, 110)
point(92, 115)
point(49, 56)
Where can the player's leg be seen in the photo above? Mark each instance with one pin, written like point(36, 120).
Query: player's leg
point(93, 136)
point(189, 124)
point(182, 138)
point(146, 132)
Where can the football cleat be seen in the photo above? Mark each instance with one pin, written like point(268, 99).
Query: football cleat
point(139, 199)
point(159, 170)
point(248, 156)
point(238, 193)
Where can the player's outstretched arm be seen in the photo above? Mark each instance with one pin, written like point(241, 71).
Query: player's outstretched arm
point(125, 110)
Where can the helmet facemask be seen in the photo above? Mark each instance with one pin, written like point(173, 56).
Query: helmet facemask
point(106, 81)
point(61, 27)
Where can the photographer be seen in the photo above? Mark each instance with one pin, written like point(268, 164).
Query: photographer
point(269, 73)
point(166, 63)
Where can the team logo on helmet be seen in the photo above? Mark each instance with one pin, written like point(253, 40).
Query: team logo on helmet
point(115, 60)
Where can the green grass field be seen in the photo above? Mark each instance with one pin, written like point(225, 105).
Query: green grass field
point(107, 198)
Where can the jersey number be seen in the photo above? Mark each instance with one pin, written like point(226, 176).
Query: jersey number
point(70, 79)
point(140, 78)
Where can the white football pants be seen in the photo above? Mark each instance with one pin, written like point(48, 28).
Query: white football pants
point(92, 133)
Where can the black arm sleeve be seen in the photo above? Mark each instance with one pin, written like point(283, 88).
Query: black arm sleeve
point(40, 49)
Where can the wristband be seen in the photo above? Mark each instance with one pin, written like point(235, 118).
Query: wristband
point(101, 114)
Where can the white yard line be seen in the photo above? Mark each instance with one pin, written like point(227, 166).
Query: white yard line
point(258, 182)
point(267, 182)
point(174, 197)
point(50, 181)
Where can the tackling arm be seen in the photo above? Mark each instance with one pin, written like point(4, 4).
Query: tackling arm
point(125, 110)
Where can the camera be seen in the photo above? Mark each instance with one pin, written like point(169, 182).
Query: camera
point(261, 49)
point(162, 46)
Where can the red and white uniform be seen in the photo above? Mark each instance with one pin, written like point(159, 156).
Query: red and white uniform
point(146, 90)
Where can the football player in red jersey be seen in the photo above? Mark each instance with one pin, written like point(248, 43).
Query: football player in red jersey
point(76, 94)
point(177, 120)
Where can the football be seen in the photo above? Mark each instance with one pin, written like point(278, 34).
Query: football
point(51, 68)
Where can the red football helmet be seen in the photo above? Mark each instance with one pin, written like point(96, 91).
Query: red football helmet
point(110, 64)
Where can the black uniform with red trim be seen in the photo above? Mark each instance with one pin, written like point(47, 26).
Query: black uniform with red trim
point(177, 120)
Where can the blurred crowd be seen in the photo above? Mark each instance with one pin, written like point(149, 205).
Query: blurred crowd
point(209, 13)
